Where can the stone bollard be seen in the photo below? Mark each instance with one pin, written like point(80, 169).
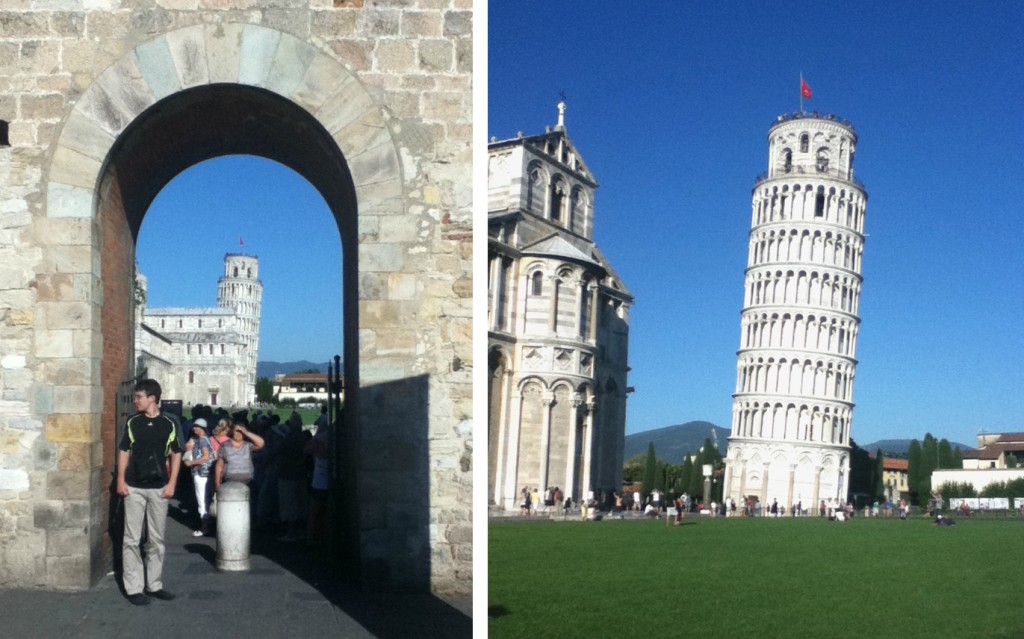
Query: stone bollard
point(233, 526)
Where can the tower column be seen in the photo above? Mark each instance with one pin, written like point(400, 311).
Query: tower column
point(815, 494)
point(789, 489)
point(588, 436)
point(764, 485)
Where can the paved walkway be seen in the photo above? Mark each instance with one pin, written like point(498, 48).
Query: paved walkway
point(288, 592)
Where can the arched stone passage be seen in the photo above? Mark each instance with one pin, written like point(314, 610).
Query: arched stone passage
point(210, 90)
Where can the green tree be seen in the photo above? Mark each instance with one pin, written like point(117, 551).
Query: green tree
point(929, 462)
point(650, 469)
point(878, 483)
point(696, 487)
point(914, 469)
point(958, 458)
point(945, 454)
point(659, 476)
point(685, 474)
point(264, 390)
point(711, 454)
point(957, 489)
point(633, 469)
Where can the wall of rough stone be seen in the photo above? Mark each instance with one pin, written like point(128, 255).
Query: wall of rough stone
point(410, 61)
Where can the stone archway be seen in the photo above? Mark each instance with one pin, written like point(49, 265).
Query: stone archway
point(209, 90)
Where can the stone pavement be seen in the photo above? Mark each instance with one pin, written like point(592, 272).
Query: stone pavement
point(288, 591)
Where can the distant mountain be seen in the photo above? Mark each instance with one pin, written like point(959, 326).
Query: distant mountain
point(899, 447)
point(672, 442)
point(269, 369)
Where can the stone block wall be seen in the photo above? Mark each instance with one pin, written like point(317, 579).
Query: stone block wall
point(73, 76)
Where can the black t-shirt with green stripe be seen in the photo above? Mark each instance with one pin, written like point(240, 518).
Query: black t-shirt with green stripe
point(150, 440)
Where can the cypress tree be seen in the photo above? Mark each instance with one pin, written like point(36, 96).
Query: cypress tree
point(929, 462)
point(945, 454)
point(650, 468)
point(879, 478)
point(914, 469)
point(696, 488)
point(684, 476)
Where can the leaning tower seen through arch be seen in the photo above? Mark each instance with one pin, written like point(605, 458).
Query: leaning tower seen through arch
point(793, 405)
point(240, 290)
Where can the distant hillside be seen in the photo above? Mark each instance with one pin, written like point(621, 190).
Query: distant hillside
point(672, 442)
point(899, 447)
point(269, 369)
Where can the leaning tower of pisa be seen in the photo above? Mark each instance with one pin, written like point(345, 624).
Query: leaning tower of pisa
point(241, 290)
point(793, 404)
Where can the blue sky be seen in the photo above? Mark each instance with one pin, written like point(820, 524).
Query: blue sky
point(670, 104)
point(208, 209)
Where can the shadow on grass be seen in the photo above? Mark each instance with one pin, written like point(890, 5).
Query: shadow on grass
point(494, 612)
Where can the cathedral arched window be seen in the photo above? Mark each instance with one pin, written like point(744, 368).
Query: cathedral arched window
point(819, 202)
point(533, 187)
point(787, 161)
point(191, 377)
point(536, 283)
point(574, 207)
point(558, 201)
point(805, 143)
point(235, 272)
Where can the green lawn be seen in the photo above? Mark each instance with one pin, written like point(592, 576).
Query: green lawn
point(765, 578)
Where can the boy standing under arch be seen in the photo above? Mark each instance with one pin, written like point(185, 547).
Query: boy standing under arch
point(146, 482)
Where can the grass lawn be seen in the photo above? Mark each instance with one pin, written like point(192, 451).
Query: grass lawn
point(766, 578)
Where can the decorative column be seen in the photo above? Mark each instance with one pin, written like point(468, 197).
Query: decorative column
point(570, 465)
point(545, 439)
point(588, 436)
point(789, 489)
point(553, 307)
point(512, 461)
point(764, 486)
point(595, 305)
point(743, 481)
point(816, 494)
point(503, 428)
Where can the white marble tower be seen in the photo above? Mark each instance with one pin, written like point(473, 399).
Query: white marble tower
point(241, 290)
point(793, 405)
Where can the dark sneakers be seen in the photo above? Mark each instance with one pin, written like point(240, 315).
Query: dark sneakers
point(138, 599)
point(160, 594)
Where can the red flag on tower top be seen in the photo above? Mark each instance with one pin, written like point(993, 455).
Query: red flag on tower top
point(805, 89)
point(241, 242)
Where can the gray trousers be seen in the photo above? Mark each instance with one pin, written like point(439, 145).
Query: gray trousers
point(143, 504)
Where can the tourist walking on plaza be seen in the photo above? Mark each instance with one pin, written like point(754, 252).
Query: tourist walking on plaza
point(146, 482)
